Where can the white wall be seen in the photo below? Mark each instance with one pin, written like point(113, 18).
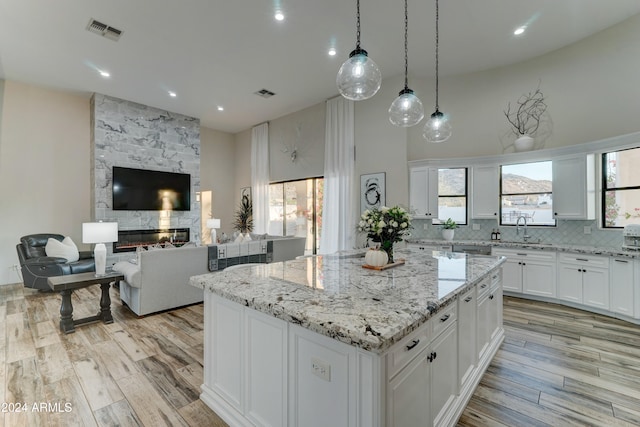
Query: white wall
point(217, 174)
point(590, 88)
point(44, 167)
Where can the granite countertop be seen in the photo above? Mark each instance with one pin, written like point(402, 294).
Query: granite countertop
point(335, 296)
point(582, 249)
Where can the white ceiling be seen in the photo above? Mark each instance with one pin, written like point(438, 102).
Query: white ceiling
point(218, 53)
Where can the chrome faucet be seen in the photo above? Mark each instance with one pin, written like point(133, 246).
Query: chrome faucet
point(525, 236)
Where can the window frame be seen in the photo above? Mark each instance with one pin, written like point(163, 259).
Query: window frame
point(501, 194)
point(436, 221)
point(605, 189)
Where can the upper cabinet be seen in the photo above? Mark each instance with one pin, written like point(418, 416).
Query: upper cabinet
point(423, 192)
point(574, 187)
point(485, 184)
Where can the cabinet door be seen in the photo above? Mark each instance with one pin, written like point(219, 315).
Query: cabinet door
point(621, 286)
point(484, 194)
point(423, 192)
point(483, 334)
point(466, 335)
point(408, 393)
point(539, 278)
point(569, 283)
point(512, 274)
point(444, 373)
point(595, 287)
point(574, 187)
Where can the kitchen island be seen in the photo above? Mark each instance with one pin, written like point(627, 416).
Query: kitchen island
point(322, 341)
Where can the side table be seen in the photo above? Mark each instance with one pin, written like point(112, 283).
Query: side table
point(67, 284)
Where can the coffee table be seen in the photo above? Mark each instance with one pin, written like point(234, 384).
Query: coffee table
point(67, 284)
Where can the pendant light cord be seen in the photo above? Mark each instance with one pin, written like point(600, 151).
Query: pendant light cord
point(437, 45)
point(406, 49)
point(358, 25)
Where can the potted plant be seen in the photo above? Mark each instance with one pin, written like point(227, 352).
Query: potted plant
point(448, 229)
point(525, 118)
point(243, 219)
point(386, 226)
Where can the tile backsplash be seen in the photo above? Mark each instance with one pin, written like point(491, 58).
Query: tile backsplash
point(566, 232)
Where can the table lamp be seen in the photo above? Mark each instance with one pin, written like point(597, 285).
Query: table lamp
point(100, 233)
point(213, 224)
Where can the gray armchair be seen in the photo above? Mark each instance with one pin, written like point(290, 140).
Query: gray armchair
point(37, 266)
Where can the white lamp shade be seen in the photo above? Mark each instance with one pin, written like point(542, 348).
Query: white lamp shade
point(99, 232)
point(213, 223)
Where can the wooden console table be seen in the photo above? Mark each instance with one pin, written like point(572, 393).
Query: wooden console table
point(67, 284)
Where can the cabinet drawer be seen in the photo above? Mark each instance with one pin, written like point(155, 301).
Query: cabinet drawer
point(410, 346)
point(483, 287)
point(584, 260)
point(542, 256)
point(443, 319)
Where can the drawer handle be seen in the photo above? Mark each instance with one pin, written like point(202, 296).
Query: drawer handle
point(445, 318)
point(521, 254)
point(432, 356)
point(467, 299)
point(413, 344)
point(491, 296)
point(495, 277)
point(582, 259)
point(483, 286)
point(621, 260)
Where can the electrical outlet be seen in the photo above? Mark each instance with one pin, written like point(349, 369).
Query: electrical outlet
point(321, 369)
point(425, 226)
point(476, 227)
point(587, 229)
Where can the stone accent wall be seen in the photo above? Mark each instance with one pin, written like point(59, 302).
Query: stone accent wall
point(132, 135)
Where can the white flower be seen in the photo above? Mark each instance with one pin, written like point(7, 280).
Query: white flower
point(403, 225)
point(381, 224)
point(362, 223)
point(384, 209)
point(369, 221)
point(390, 230)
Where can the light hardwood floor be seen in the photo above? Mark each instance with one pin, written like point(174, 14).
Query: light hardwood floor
point(558, 366)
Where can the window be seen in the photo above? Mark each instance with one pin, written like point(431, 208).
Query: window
point(452, 195)
point(621, 183)
point(526, 192)
point(295, 209)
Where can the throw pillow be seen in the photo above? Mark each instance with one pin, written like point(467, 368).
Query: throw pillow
point(65, 249)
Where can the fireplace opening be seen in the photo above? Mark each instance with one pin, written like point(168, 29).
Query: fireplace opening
point(129, 240)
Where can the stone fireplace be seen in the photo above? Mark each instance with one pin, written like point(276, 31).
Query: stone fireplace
point(130, 240)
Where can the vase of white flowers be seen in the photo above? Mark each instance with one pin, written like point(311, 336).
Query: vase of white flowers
point(385, 226)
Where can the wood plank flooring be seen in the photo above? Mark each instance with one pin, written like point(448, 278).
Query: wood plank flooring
point(557, 367)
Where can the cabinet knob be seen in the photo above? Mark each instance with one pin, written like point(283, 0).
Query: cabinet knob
point(445, 318)
point(555, 213)
point(468, 299)
point(491, 296)
point(413, 344)
point(495, 213)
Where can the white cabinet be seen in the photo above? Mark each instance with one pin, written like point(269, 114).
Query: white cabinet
point(467, 354)
point(574, 187)
point(426, 388)
point(621, 284)
point(423, 192)
point(529, 272)
point(485, 184)
point(584, 279)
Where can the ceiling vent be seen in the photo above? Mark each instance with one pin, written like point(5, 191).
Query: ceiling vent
point(264, 93)
point(103, 30)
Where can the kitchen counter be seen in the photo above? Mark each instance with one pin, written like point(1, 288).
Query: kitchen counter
point(582, 249)
point(336, 297)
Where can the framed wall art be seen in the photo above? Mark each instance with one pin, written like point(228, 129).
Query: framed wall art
point(372, 191)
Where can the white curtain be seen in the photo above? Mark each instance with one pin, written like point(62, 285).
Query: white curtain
point(338, 226)
point(260, 177)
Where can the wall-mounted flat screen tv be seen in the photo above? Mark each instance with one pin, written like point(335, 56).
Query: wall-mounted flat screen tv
point(148, 190)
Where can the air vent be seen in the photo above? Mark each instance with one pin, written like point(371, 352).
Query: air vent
point(104, 30)
point(264, 93)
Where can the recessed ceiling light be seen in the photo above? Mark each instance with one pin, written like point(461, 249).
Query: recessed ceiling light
point(279, 15)
point(105, 74)
point(332, 51)
point(172, 94)
point(220, 108)
point(519, 31)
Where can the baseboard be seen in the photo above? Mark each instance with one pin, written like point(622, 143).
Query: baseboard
point(224, 410)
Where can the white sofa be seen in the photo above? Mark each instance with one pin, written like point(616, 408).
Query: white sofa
point(160, 280)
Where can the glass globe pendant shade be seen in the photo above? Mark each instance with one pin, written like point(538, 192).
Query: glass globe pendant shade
point(359, 77)
point(437, 129)
point(406, 110)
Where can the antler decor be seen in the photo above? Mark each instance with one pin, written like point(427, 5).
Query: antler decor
point(526, 117)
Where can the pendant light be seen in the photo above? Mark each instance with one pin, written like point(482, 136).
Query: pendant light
point(359, 77)
point(406, 110)
point(437, 129)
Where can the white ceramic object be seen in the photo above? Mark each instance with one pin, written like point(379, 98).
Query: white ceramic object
point(376, 258)
point(447, 234)
point(523, 143)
